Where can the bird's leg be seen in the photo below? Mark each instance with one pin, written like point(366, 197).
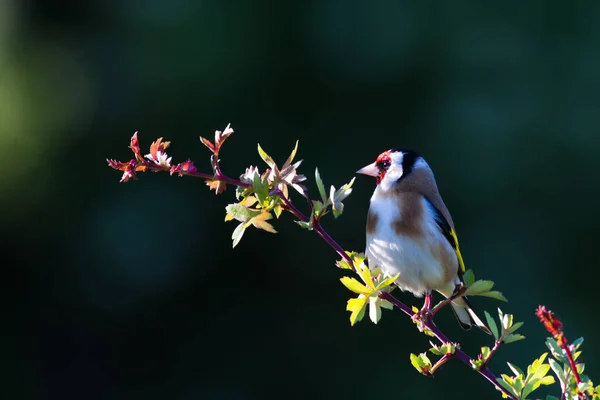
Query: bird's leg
point(459, 290)
point(425, 311)
point(427, 303)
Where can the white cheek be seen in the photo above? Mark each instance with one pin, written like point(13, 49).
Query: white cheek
point(390, 178)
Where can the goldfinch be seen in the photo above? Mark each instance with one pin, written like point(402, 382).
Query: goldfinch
point(410, 231)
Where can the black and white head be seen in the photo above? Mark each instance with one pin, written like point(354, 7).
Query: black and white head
point(395, 166)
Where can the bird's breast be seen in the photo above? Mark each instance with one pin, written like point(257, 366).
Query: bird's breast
point(403, 237)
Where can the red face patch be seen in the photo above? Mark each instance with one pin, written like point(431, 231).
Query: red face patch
point(383, 162)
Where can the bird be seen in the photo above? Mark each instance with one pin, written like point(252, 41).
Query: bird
point(410, 231)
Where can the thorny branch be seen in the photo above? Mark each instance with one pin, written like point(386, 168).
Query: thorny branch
point(278, 181)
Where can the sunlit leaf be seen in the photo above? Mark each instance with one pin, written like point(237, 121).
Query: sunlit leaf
point(386, 304)
point(217, 186)
point(506, 321)
point(421, 363)
point(260, 222)
point(277, 210)
point(266, 158)
point(436, 350)
point(508, 387)
point(343, 264)
point(547, 380)
point(238, 232)
point(514, 327)
point(320, 186)
point(491, 324)
point(365, 274)
point(513, 338)
point(494, 294)
point(485, 353)
point(261, 188)
point(290, 159)
point(207, 143)
point(468, 277)
point(355, 286)
point(576, 343)
point(374, 310)
point(516, 370)
point(479, 287)
point(387, 282)
point(357, 308)
point(555, 349)
point(241, 213)
point(305, 224)
point(558, 370)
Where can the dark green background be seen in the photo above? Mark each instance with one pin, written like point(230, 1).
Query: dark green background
point(127, 291)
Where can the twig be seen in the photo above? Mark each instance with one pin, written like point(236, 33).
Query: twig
point(131, 167)
point(458, 353)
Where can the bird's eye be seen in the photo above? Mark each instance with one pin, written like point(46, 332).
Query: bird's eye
point(385, 164)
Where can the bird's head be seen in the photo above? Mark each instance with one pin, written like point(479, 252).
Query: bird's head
point(392, 166)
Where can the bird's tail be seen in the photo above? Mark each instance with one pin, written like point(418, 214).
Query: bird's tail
point(466, 315)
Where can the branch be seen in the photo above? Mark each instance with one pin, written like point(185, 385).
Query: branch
point(270, 193)
point(459, 354)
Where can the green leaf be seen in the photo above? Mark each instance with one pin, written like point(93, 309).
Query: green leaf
point(558, 371)
point(261, 189)
point(374, 310)
point(537, 375)
point(260, 222)
point(491, 324)
point(365, 273)
point(277, 210)
point(476, 364)
point(355, 285)
point(530, 387)
point(238, 232)
point(266, 158)
point(550, 397)
point(479, 287)
point(336, 198)
point(494, 294)
point(516, 370)
point(576, 343)
point(507, 386)
point(241, 213)
point(318, 207)
point(468, 277)
point(547, 380)
point(556, 351)
point(513, 338)
point(519, 384)
point(514, 327)
point(386, 304)
point(507, 321)
point(290, 159)
point(421, 363)
point(343, 264)
point(485, 353)
point(436, 351)
point(357, 308)
point(387, 282)
point(337, 209)
point(320, 186)
point(342, 193)
point(305, 225)
point(446, 348)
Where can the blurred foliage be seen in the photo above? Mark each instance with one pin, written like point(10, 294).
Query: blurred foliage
point(115, 291)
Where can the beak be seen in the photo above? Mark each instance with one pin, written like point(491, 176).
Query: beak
point(370, 170)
